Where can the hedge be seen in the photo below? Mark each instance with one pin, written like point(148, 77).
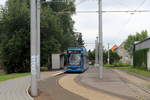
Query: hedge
point(140, 58)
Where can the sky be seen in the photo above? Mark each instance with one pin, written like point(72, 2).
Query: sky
point(116, 26)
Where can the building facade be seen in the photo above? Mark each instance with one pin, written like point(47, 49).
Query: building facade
point(122, 52)
point(142, 54)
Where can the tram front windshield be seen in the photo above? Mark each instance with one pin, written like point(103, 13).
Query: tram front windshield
point(75, 59)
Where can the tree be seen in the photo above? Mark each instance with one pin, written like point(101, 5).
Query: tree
point(79, 40)
point(15, 48)
point(91, 55)
point(114, 57)
point(56, 33)
point(133, 38)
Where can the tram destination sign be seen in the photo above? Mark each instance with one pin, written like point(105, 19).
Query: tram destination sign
point(74, 52)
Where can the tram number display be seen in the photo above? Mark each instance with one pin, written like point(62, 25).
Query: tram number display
point(74, 52)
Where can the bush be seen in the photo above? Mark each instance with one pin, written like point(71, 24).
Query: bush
point(140, 59)
point(44, 68)
point(117, 65)
point(120, 64)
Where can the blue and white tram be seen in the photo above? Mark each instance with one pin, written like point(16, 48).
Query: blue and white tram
point(76, 60)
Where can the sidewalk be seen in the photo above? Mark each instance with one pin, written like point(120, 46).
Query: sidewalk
point(139, 82)
point(112, 84)
point(68, 83)
point(17, 89)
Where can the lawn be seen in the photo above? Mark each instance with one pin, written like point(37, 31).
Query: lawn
point(4, 77)
point(135, 70)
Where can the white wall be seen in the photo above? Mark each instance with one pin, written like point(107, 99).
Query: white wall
point(55, 61)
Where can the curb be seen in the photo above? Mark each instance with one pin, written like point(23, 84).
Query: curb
point(54, 75)
point(27, 91)
point(59, 73)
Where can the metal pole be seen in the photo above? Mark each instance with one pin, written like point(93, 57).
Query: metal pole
point(100, 39)
point(38, 38)
point(96, 52)
point(34, 90)
point(108, 59)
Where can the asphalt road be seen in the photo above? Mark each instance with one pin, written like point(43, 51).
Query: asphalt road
point(53, 91)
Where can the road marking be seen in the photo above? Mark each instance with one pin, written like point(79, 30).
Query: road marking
point(68, 83)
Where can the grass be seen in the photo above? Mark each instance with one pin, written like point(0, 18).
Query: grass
point(135, 70)
point(44, 69)
point(4, 77)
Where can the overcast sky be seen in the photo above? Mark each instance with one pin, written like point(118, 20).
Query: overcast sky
point(116, 26)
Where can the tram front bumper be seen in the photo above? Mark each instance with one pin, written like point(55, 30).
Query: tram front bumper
point(74, 69)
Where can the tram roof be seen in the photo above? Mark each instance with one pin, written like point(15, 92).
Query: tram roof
point(77, 49)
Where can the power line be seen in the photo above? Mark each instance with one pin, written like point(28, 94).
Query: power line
point(129, 20)
point(81, 1)
point(90, 43)
point(113, 11)
point(76, 5)
point(126, 24)
point(142, 3)
point(118, 1)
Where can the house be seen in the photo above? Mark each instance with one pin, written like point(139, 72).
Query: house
point(114, 47)
point(141, 57)
point(122, 52)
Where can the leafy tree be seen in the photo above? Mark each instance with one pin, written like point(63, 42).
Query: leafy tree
point(56, 27)
point(56, 33)
point(80, 40)
point(133, 38)
point(15, 48)
point(91, 55)
point(114, 57)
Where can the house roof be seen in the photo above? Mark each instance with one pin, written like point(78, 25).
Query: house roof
point(145, 44)
point(142, 41)
point(114, 47)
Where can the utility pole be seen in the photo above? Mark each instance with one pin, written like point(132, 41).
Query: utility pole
point(100, 39)
point(34, 90)
point(38, 37)
point(108, 59)
point(96, 52)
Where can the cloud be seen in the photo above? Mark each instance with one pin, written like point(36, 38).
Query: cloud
point(2, 2)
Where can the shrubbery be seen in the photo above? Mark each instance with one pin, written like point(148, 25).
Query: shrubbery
point(140, 59)
point(117, 65)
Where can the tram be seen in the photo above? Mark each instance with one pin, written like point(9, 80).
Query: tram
point(77, 60)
